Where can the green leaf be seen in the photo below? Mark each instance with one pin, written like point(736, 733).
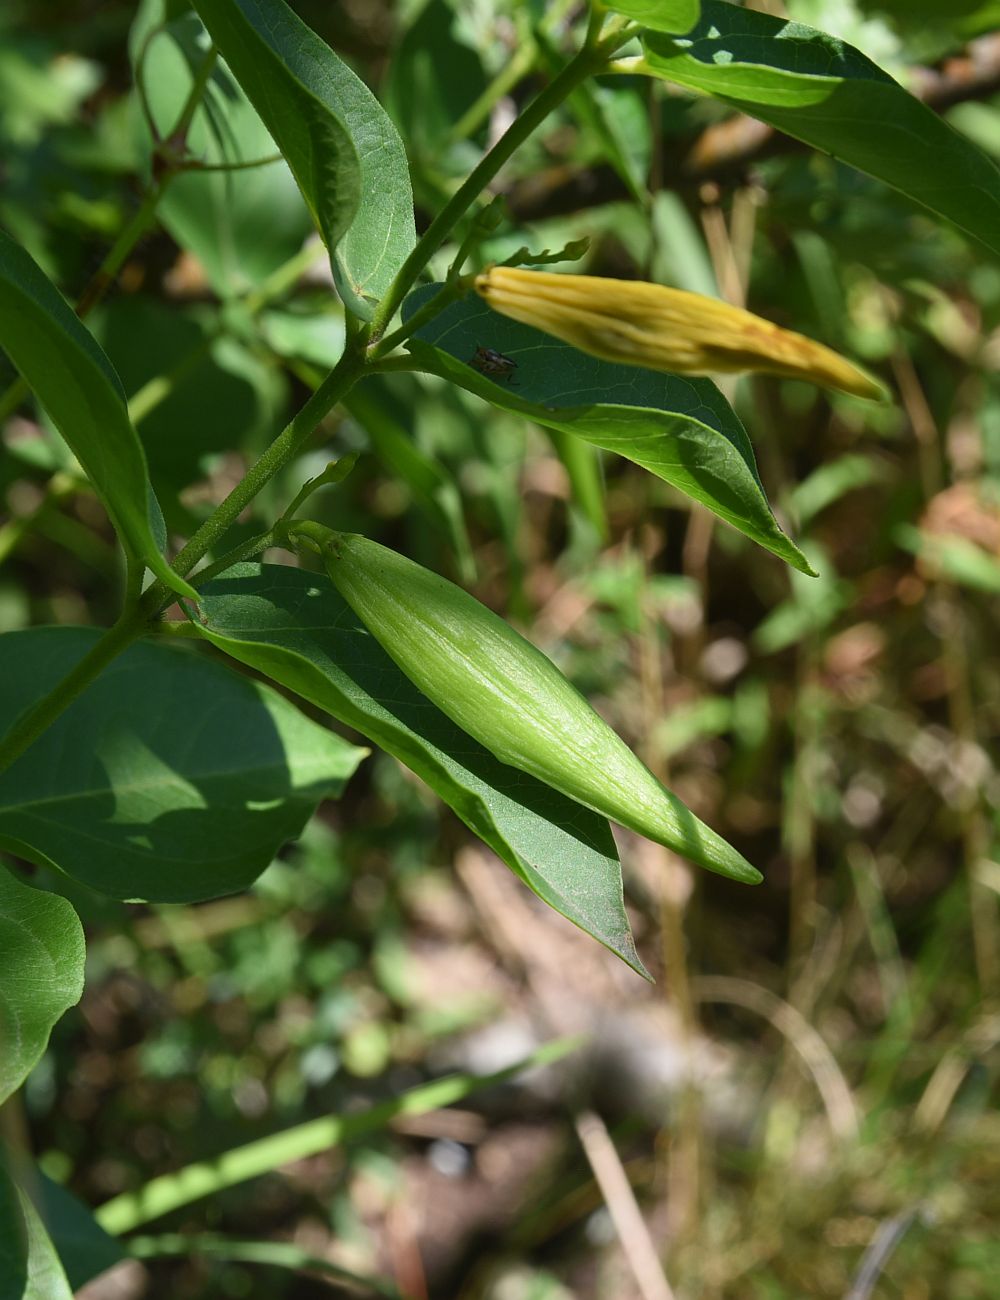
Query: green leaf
point(339, 142)
point(830, 481)
point(660, 15)
point(618, 118)
point(273, 1254)
point(30, 1267)
point(170, 778)
point(826, 93)
point(46, 1278)
point(84, 1248)
point(13, 1238)
point(41, 974)
point(585, 471)
point(310, 335)
point(240, 224)
point(680, 429)
point(811, 607)
point(295, 627)
point(570, 252)
point(77, 385)
point(425, 104)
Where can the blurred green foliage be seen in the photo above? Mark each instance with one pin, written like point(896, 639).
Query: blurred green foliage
point(841, 731)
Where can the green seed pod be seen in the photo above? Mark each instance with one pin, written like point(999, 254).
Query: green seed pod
point(503, 691)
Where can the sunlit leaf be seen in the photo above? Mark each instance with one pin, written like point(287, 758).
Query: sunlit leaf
point(41, 974)
point(660, 15)
point(77, 385)
point(296, 628)
point(825, 92)
point(679, 428)
point(240, 224)
point(170, 778)
point(339, 142)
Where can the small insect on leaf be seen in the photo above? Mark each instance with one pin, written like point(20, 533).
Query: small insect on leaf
point(495, 364)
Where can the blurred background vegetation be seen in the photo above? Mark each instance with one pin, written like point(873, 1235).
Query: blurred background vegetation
point(804, 1104)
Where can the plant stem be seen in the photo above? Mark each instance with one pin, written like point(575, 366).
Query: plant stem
point(159, 388)
point(595, 22)
point(60, 486)
point(586, 62)
point(198, 85)
point(127, 239)
point(253, 546)
point(170, 1191)
point(248, 165)
point(156, 390)
point(387, 365)
point(283, 277)
point(507, 78)
point(138, 618)
point(335, 386)
point(37, 718)
point(427, 312)
point(103, 278)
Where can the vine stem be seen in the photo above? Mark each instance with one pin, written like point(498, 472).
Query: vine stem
point(40, 716)
point(105, 274)
point(334, 387)
point(437, 304)
point(520, 64)
point(248, 550)
point(587, 61)
point(139, 617)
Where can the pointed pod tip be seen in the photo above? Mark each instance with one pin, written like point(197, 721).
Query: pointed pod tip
point(731, 863)
point(740, 871)
point(707, 848)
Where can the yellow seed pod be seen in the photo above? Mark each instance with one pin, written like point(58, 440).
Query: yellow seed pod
point(640, 324)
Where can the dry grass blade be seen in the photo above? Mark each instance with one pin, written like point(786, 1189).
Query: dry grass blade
point(625, 1215)
point(816, 1056)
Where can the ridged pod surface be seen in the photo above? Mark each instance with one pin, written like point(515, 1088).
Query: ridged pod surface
point(640, 324)
point(503, 691)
